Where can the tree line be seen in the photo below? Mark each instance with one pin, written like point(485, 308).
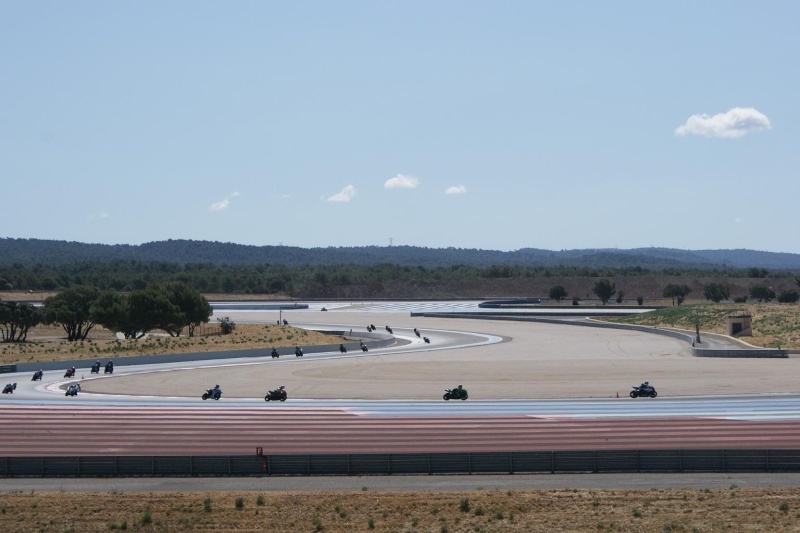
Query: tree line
point(170, 307)
point(297, 280)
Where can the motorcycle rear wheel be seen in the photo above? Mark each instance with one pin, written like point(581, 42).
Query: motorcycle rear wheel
point(634, 394)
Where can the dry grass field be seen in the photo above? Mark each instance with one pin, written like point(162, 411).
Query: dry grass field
point(564, 510)
point(47, 343)
point(774, 325)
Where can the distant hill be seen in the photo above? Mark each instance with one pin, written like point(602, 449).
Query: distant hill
point(51, 252)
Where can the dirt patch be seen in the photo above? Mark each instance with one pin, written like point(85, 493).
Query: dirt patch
point(579, 510)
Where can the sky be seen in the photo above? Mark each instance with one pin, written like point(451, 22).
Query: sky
point(492, 125)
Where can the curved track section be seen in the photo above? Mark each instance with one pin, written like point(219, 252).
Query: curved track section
point(39, 421)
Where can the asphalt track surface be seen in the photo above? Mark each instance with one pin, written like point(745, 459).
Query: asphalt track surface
point(389, 400)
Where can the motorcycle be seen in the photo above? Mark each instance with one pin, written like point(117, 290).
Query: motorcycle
point(458, 393)
point(278, 394)
point(298, 352)
point(73, 390)
point(109, 368)
point(644, 391)
point(389, 330)
point(342, 349)
point(275, 354)
point(95, 368)
point(9, 388)
point(70, 372)
point(214, 393)
point(364, 347)
point(37, 375)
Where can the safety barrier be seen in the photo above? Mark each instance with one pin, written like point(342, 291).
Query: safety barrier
point(576, 461)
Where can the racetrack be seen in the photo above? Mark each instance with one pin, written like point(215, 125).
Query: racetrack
point(389, 400)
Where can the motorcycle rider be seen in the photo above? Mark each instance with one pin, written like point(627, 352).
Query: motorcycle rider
point(274, 353)
point(644, 386)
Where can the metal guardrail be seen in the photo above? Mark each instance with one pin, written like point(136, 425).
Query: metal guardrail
point(578, 461)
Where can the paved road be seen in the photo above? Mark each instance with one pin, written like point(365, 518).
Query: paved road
point(407, 483)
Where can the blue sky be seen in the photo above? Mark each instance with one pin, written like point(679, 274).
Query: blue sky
point(495, 125)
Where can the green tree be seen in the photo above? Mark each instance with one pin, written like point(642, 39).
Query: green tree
point(194, 308)
point(151, 309)
point(70, 309)
point(16, 319)
point(604, 289)
point(716, 292)
point(558, 293)
point(762, 293)
point(111, 311)
point(676, 292)
point(789, 297)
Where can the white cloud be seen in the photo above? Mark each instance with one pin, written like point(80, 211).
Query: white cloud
point(223, 204)
point(345, 195)
point(402, 181)
point(729, 125)
point(101, 215)
point(456, 189)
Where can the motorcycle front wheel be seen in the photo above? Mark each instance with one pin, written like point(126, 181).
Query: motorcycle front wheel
point(653, 394)
point(205, 396)
point(283, 398)
point(217, 397)
point(465, 396)
point(446, 397)
point(266, 398)
point(634, 394)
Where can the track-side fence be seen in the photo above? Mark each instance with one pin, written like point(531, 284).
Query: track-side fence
point(599, 461)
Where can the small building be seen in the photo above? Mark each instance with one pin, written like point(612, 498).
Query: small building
point(740, 326)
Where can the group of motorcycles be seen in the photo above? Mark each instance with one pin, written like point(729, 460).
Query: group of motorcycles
point(277, 395)
point(109, 369)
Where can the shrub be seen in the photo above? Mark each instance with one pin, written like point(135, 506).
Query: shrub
point(639, 300)
point(239, 503)
point(788, 297)
point(207, 505)
point(739, 299)
point(226, 325)
point(260, 500)
point(464, 506)
point(147, 516)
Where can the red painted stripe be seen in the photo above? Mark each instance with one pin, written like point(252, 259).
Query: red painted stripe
point(104, 430)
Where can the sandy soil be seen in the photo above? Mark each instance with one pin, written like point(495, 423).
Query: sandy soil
point(537, 361)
